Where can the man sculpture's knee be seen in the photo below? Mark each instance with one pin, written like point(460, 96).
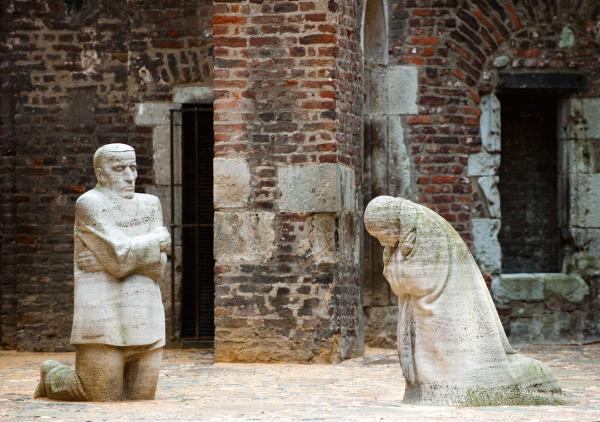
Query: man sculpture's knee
point(119, 258)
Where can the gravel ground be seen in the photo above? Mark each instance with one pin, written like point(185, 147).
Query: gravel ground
point(192, 387)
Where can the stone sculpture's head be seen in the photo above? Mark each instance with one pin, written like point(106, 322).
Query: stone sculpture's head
point(116, 169)
point(382, 220)
point(391, 220)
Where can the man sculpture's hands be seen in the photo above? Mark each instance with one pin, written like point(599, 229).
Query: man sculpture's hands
point(165, 241)
point(87, 261)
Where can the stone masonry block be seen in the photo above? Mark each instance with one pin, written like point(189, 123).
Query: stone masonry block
point(589, 240)
point(484, 164)
point(316, 188)
point(486, 246)
point(161, 154)
point(489, 123)
point(533, 287)
point(522, 287)
point(585, 201)
point(591, 113)
point(231, 182)
point(193, 94)
point(571, 119)
point(399, 161)
point(318, 245)
point(244, 236)
point(489, 188)
point(152, 114)
point(377, 98)
point(402, 89)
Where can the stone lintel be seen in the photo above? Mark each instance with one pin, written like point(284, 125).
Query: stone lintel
point(193, 95)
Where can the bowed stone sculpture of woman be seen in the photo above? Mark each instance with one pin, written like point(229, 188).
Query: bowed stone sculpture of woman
point(452, 347)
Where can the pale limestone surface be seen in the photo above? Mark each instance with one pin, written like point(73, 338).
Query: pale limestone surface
point(244, 236)
point(231, 182)
point(119, 259)
point(323, 187)
point(452, 347)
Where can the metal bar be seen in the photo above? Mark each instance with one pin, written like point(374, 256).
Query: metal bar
point(196, 217)
point(173, 226)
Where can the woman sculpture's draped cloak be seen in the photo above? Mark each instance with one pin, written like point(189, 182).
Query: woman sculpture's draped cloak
point(452, 347)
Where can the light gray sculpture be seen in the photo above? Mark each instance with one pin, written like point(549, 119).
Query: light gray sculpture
point(118, 323)
point(452, 347)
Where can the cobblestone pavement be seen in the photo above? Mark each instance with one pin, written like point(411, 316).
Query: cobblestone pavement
point(370, 388)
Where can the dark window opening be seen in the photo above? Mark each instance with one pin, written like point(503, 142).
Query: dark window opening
point(530, 233)
point(197, 322)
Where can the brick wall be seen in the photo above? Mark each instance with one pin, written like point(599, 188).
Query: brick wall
point(461, 49)
point(287, 105)
point(454, 44)
point(69, 85)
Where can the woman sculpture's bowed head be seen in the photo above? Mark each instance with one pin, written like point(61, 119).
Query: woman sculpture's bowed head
point(452, 347)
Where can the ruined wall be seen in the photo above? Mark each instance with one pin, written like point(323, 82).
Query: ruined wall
point(287, 112)
point(70, 82)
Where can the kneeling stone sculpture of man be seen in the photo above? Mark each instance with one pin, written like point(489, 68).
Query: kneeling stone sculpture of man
point(452, 347)
point(118, 323)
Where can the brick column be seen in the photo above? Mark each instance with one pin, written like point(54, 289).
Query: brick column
point(287, 143)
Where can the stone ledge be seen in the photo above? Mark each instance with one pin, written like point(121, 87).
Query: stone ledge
point(535, 287)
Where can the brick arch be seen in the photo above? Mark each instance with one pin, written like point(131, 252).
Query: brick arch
point(523, 30)
point(452, 44)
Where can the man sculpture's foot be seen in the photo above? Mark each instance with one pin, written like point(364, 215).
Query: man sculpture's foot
point(47, 365)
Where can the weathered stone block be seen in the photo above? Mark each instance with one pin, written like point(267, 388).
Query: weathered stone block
point(161, 154)
point(588, 239)
point(568, 286)
point(402, 89)
point(489, 123)
point(571, 119)
point(231, 182)
point(483, 164)
point(193, 94)
point(399, 160)
point(538, 286)
point(489, 188)
point(318, 245)
point(591, 113)
point(152, 114)
point(316, 188)
point(548, 328)
point(525, 287)
point(585, 201)
point(486, 246)
point(377, 98)
point(244, 236)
